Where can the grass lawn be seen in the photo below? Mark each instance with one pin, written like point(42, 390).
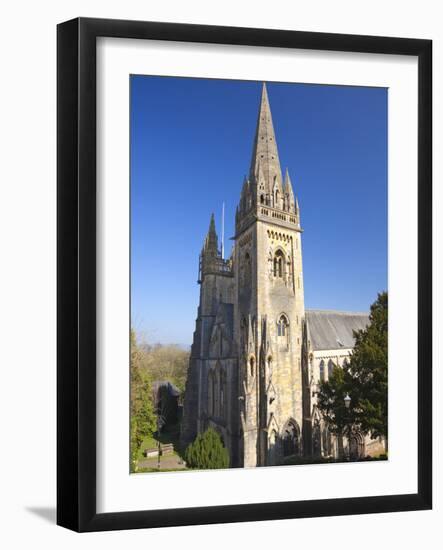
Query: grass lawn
point(172, 435)
point(148, 443)
point(150, 470)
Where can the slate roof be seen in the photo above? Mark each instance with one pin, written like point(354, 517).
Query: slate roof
point(333, 329)
point(172, 388)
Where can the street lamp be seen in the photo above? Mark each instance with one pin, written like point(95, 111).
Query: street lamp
point(160, 424)
point(347, 401)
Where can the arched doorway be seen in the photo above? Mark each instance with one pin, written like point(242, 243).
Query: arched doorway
point(356, 446)
point(291, 439)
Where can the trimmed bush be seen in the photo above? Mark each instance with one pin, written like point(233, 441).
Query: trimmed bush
point(207, 452)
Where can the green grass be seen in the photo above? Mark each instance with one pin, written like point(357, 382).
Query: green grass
point(148, 443)
point(170, 436)
point(150, 470)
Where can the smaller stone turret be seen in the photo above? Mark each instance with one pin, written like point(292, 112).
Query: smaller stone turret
point(211, 261)
point(210, 247)
point(289, 202)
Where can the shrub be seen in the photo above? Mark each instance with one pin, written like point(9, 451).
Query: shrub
point(207, 452)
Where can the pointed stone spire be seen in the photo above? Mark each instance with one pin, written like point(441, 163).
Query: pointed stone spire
point(265, 153)
point(211, 242)
point(289, 193)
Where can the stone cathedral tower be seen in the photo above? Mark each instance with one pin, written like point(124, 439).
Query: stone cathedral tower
point(245, 371)
point(269, 306)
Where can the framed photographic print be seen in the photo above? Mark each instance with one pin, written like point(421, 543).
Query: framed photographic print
point(244, 274)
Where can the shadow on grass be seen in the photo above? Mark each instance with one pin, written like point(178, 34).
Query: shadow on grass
point(171, 435)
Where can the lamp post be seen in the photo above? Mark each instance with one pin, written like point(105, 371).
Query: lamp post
point(160, 424)
point(347, 401)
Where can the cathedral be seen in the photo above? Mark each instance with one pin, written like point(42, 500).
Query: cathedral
point(258, 355)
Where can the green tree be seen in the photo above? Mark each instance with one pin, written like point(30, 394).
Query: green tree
point(207, 452)
point(364, 379)
point(369, 369)
point(143, 418)
point(331, 402)
point(165, 362)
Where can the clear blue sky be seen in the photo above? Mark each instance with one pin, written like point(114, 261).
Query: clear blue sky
point(191, 144)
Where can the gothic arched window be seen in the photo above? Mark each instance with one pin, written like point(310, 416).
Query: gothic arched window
point(279, 264)
point(282, 326)
point(322, 371)
point(330, 368)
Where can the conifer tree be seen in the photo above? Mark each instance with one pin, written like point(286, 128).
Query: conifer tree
point(207, 452)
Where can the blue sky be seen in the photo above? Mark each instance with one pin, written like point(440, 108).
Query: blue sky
point(191, 145)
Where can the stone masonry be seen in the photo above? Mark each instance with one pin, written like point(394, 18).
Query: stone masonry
point(251, 374)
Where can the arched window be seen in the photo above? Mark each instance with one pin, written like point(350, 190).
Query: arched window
point(279, 264)
point(322, 371)
point(282, 326)
point(330, 368)
point(291, 439)
point(262, 198)
point(356, 446)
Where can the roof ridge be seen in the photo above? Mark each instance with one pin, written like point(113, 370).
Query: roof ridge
point(336, 311)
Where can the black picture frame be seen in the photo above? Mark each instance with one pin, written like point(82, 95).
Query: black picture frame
point(76, 279)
